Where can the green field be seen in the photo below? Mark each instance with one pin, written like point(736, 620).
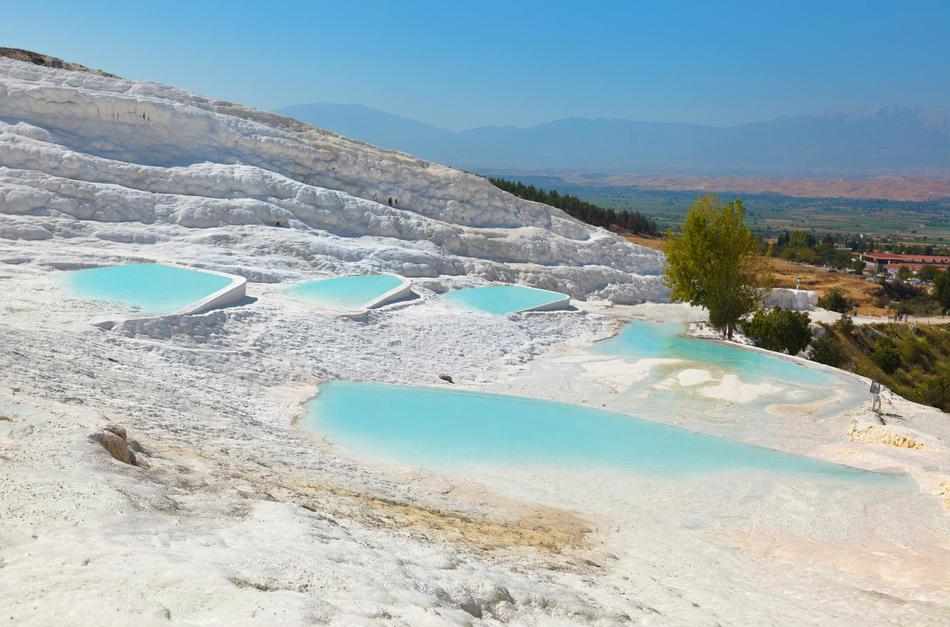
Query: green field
point(769, 214)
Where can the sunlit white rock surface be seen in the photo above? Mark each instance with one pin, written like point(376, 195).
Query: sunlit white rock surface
point(235, 516)
point(795, 300)
point(105, 150)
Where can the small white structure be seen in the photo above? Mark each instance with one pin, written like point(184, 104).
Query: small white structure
point(792, 299)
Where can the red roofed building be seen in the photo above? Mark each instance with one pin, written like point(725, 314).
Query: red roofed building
point(883, 260)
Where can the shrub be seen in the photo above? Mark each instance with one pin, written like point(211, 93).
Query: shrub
point(942, 290)
point(898, 290)
point(927, 273)
point(886, 355)
point(935, 390)
point(779, 330)
point(829, 351)
point(835, 300)
point(845, 323)
point(913, 350)
point(923, 305)
point(840, 259)
point(901, 310)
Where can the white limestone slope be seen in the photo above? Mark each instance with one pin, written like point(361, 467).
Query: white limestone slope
point(234, 515)
point(80, 146)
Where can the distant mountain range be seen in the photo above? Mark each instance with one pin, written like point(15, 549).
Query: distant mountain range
point(887, 140)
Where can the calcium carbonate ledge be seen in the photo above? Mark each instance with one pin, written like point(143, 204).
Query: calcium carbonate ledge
point(400, 292)
point(554, 305)
point(559, 304)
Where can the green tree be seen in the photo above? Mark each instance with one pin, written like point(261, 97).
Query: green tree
point(886, 355)
point(935, 390)
point(927, 273)
point(904, 273)
point(779, 330)
point(941, 291)
point(858, 266)
point(835, 300)
point(913, 350)
point(829, 350)
point(845, 323)
point(714, 262)
point(841, 259)
point(807, 255)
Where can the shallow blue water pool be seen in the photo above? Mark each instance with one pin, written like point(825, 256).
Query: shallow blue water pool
point(449, 429)
point(640, 339)
point(502, 299)
point(151, 288)
point(346, 293)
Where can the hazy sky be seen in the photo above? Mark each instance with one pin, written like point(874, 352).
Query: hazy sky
point(458, 63)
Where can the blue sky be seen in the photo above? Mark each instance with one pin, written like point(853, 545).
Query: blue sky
point(459, 63)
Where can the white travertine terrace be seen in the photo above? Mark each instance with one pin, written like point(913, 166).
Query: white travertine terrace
point(116, 151)
point(236, 516)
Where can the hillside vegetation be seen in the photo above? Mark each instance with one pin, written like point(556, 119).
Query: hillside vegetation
point(922, 221)
point(912, 360)
point(865, 294)
point(632, 221)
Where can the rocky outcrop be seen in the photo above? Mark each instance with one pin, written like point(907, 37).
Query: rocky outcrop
point(792, 299)
point(45, 60)
point(878, 434)
point(115, 440)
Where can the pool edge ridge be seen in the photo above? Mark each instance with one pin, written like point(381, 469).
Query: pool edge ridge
point(555, 305)
point(395, 294)
point(360, 312)
point(232, 293)
point(559, 302)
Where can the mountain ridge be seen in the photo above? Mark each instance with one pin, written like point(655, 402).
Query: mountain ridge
point(885, 140)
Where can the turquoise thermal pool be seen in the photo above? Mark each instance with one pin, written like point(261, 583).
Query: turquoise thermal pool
point(450, 429)
point(640, 339)
point(151, 288)
point(347, 293)
point(505, 299)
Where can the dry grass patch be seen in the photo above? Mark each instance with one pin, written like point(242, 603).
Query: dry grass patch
point(856, 288)
point(508, 525)
point(543, 528)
